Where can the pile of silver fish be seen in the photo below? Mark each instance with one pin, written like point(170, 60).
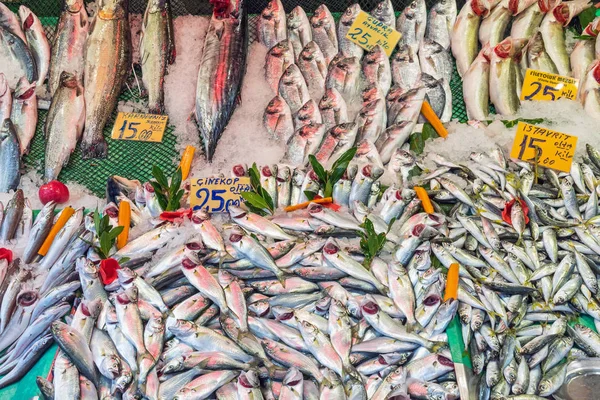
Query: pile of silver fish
point(492, 58)
point(319, 75)
point(286, 307)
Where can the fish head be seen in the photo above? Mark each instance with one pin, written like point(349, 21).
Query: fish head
point(350, 14)
point(309, 131)
point(239, 170)
point(283, 174)
point(276, 106)
point(125, 276)
point(404, 54)
point(111, 210)
point(25, 89)
point(293, 377)
point(280, 49)
point(73, 6)
point(91, 308)
point(342, 131)
point(174, 365)
point(249, 379)
point(296, 17)
point(292, 75)
point(592, 28)
point(432, 299)
point(310, 51)
point(27, 298)
point(548, 5)
point(369, 306)
point(320, 16)
point(594, 68)
point(57, 328)
point(237, 212)
point(505, 48)
point(350, 64)
point(372, 93)
point(481, 7)
point(562, 13)
point(382, 9)
point(375, 56)
point(308, 110)
point(273, 8)
point(224, 277)
point(282, 313)
point(112, 365)
point(86, 268)
point(269, 345)
point(329, 100)
point(298, 177)
point(513, 6)
point(116, 185)
point(183, 327)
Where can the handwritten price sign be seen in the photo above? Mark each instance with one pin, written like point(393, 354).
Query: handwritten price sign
point(139, 127)
point(368, 32)
point(544, 146)
point(540, 85)
point(218, 194)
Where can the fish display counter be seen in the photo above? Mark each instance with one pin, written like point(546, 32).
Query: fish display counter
point(275, 200)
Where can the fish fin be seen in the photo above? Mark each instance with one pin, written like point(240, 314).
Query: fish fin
point(437, 346)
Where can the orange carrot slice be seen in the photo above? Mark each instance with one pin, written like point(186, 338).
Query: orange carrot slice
point(425, 201)
point(125, 222)
point(452, 282)
point(306, 203)
point(186, 161)
point(60, 223)
point(433, 119)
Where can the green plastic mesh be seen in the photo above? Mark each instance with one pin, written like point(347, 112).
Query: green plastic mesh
point(134, 160)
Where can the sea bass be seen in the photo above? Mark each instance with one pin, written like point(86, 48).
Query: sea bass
point(64, 124)
point(107, 61)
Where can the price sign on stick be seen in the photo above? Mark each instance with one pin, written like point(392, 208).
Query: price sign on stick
point(139, 127)
point(540, 85)
point(544, 146)
point(218, 194)
point(368, 32)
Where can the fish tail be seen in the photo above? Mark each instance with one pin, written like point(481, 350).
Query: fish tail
point(97, 148)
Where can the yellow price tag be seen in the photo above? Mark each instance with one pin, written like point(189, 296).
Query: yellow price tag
point(139, 127)
point(550, 148)
point(368, 32)
point(540, 85)
point(218, 194)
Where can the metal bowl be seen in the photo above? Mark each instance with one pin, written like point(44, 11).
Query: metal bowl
point(582, 381)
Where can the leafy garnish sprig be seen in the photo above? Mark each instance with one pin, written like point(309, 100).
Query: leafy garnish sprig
point(106, 234)
point(371, 242)
point(167, 193)
point(258, 200)
point(327, 179)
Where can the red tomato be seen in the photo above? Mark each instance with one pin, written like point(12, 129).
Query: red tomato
point(54, 191)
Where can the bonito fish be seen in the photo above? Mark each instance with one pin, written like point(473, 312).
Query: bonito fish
point(221, 72)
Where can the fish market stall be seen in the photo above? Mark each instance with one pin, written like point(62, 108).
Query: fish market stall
point(299, 200)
